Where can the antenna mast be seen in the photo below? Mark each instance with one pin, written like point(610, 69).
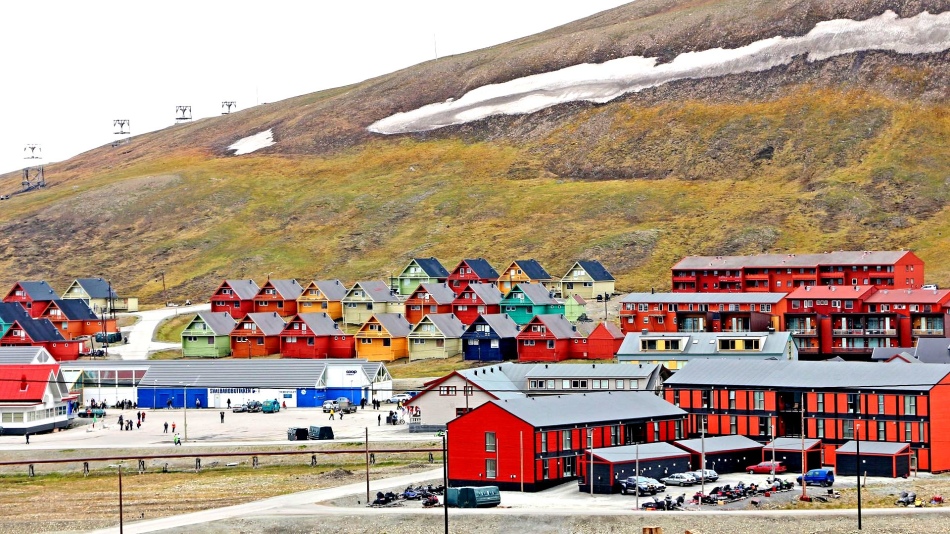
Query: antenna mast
point(33, 176)
point(182, 113)
point(227, 105)
point(124, 131)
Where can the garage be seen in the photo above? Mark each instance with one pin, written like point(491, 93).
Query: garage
point(724, 454)
point(789, 452)
point(878, 459)
point(612, 464)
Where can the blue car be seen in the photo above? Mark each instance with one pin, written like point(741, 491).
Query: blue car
point(818, 477)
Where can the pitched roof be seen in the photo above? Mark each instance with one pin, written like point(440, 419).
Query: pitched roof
point(432, 267)
point(38, 330)
point(536, 293)
point(646, 451)
point(594, 269)
point(482, 268)
point(874, 447)
point(376, 290)
point(503, 325)
point(884, 353)
point(595, 370)
point(932, 350)
point(488, 293)
point(97, 288)
point(910, 296)
point(704, 298)
point(221, 323)
point(75, 309)
point(320, 324)
point(832, 292)
point(447, 323)
point(244, 289)
point(842, 257)
point(808, 375)
point(715, 444)
point(25, 355)
point(557, 325)
point(331, 289)
point(288, 289)
point(394, 323)
point(588, 408)
point(533, 269)
point(611, 329)
point(38, 290)
point(269, 322)
point(494, 380)
point(260, 373)
point(26, 383)
point(440, 293)
point(792, 444)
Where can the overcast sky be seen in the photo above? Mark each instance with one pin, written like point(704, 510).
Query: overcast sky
point(71, 68)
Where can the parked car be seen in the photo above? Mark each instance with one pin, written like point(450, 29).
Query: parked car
point(766, 468)
point(270, 406)
point(679, 479)
point(254, 406)
point(654, 484)
point(708, 474)
point(400, 397)
point(345, 406)
point(330, 405)
point(929, 287)
point(239, 408)
point(818, 477)
point(628, 484)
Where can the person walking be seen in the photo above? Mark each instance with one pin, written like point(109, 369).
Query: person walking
point(166, 427)
point(27, 438)
point(173, 427)
point(177, 440)
point(222, 417)
point(169, 404)
point(379, 420)
point(331, 414)
point(198, 404)
point(143, 417)
point(229, 404)
point(138, 424)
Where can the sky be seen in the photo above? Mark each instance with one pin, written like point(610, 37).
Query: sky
point(71, 68)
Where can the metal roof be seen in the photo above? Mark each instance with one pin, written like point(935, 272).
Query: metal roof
point(932, 349)
point(288, 289)
point(843, 257)
point(503, 326)
point(910, 296)
point(221, 323)
point(612, 330)
point(440, 293)
point(534, 293)
point(432, 267)
point(557, 325)
point(874, 447)
point(319, 324)
point(589, 408)
point(705, 344)
point(533, 269)
point(96, 288)
point(594, 370)
point(481, 268)
point(36, 329)
point(244, 289)
point(496, 379)
point(593, 268)
point(488, 293)
point(38, 290)
point(802, 375)
point(376, 290)
point(832, 292)
point(394, 323)
point(331, 289)
point(260, 373)
point(447, 323)
point(792, 444)
point(704, 298)
point(25, 355)
point(269, 323)
point(184, 367)
point(75, 309)
point(646, 451)
point(717, 444)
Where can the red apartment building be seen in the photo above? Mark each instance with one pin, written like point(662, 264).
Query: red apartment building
point(702, 312)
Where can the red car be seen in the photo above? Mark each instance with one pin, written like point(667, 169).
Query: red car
point(765, 468)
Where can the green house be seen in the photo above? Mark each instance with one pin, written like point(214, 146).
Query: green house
point(574, 307)
point(420, 271)
point(208, 335)
point(527, 300)
point(438, 335)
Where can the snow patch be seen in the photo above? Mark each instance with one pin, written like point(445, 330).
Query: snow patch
point(255, 142)
point(921, 34)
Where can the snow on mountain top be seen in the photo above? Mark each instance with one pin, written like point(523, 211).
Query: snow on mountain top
point(255, 142)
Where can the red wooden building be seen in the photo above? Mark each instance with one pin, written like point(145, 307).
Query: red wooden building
point(702, 312)
point(34, 296)
point(278, 296)
point(235, 297)
point(476, 299)
point(73, 318)
point(546, 338)
point(602, 343)
point(257, 334)
point(315, 335)
point(916, 313)
point(469, 271)
point(429, 299)
point(23, 330)
point(535, 442)
point(831, 320)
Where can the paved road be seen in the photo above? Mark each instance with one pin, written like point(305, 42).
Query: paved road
point(141, 333)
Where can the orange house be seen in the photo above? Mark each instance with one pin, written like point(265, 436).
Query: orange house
point(384, 338)
point(73, 318)
point(258, 334)
point(324, 296)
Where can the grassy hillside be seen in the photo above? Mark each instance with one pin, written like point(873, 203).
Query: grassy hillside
point(845, 154)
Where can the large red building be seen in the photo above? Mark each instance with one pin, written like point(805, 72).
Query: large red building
point(278, 296)
point(782, 272)
point(702, 312)
point(534, 443)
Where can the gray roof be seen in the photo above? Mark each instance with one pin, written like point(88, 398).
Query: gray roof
point(557, 325)
point(503, 325)
point(244, 289)
point(792, 444)
point(646, 451)
point(331, 289)
point(269, 322)
point(394, 323)
point(531, 268)
point(96, 288)
point(496, 379)
point(704, 298)
point(801, 375)
point(447, 323)
point(441, 293)
point(221, 323)
point(717, 444)
point(883, 353)
point(488, 293)
point(376, 290)
point(288, 289)
point(874, 447)
point(261, 373)
point(594, 370)
point(537, 294)
point(589, 408)
point(843, 257)
point(38, 290)
point(320, 324)
point(25, 355)
point(932, 350)
point(705, 345)
point(36, 329)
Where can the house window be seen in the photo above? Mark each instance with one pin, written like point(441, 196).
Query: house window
point(765, 308)
point(462, 308)
point(764, 426)
point(847, 429)
point(491, 466)
point(387, 342)
point(676, 397)
point(796, 304)
point(853, 405)
point(619, 384)
point(614, 435)
point(290, 339)
point(448, 391)
point(809, 304)
point(820, 401)
point(910, 405)
point(545, 471)
point(468, 391)
point(920, 432)
point(880, 404)
point(820, 428)
point(908, 434)
point(364, 341)
point(739, 344)
point(417, 341)
point(732, 400)
point(550, 384)
point(758, 398)
point(550, 343)
point(490, 442)
point(566, 440)
point(642, 307)
point(578, 384)
point(309, 341)
point(849, 304)
point(544, 442)
point(705, 394)
point(733, 425)
point(678, 429)
point(260, 341)
point(529, 343)
point(881, 431)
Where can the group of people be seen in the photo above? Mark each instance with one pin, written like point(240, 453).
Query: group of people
point(126, 424)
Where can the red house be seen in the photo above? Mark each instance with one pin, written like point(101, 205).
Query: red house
point(35, 297)
point(602, 343)
point(278, 296)
point(257, 334)
point(429, 298)
point(476, 299)
point(535, 443)
point(235, 297)
point(472, 270)
point(23, 330)
point(315, 335)
point(546, 338)
point(73, 318)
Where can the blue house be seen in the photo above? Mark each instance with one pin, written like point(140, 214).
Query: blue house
point(491, 338)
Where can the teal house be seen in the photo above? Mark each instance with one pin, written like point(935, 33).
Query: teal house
point(420, 271)
point(527, 300)
point(208, 335)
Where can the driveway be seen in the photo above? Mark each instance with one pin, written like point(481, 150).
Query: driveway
point(141, 333)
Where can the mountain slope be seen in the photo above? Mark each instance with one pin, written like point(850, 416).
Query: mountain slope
point(846, 153)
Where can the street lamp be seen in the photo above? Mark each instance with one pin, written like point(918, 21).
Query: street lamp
point(857, 458)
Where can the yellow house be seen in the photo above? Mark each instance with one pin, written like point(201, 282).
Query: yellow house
point(367, 298)
point(523, 271)
point(323, 296)
point(384, 338)
point(588, 279)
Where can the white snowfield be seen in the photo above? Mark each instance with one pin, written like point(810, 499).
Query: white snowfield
point(255, 142)
point(921, 34)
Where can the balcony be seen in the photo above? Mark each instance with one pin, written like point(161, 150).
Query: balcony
point(729, 279)
point(684, 278)
point(804, 331)
point(756, 276)
point(887, 332)
point(833, 274)
point(850, 350)
point(927, 332)
point(808, 350)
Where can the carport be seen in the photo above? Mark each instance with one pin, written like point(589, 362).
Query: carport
point(613, 464)
point(724, 454)
point(878, 459)
point(789, 452)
